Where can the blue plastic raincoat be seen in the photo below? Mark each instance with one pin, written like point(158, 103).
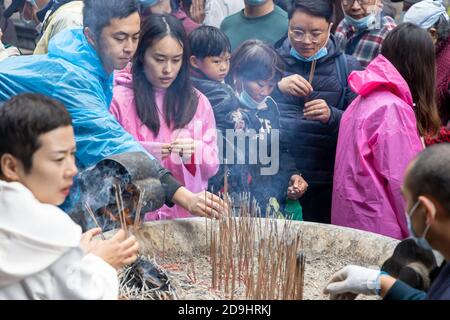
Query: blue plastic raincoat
point(72, 73)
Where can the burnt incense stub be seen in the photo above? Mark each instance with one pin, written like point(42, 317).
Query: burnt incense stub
point(290, 259)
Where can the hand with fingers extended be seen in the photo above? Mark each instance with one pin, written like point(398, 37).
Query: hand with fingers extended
point(118, 251)
point(206, 204)
point(352, 280)
point(297, 187)
point(295, 85)
point(317, 110)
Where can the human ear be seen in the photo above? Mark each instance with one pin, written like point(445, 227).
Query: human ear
point(430, 209)
point(10, 167)
point(433, 33)
point(194, 62)
point(90, 37)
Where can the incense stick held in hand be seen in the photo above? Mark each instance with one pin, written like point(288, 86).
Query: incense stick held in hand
point(91, 213)
point(311, 72)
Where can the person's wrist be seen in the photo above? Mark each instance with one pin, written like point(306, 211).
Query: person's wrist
point(373, 283)
point(378, 282)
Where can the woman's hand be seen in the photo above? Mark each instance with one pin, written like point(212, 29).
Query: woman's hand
point(118, 251)
point(202, 204)
point(295, 85)
point(297, 187)
point(184, 147)
point(317, 110)
point(157, 149)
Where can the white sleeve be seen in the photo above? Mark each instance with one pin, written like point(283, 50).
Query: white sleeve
point(213, 14)
point(80, 276)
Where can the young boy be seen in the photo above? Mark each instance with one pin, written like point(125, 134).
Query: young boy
point(210, 62)
point(43, 254)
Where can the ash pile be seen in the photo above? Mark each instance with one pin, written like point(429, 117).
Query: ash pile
point(145, 280)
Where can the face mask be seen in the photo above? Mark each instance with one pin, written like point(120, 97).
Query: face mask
point(255, 2)
point(363, 23)
point(148, 3)
point(318, 55)
point(247, 100)
point(420, 241)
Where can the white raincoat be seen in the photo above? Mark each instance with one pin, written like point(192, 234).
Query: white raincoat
point(40, 256)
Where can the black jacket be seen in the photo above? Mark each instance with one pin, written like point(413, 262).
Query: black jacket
point(222, 98)
point(312, 144)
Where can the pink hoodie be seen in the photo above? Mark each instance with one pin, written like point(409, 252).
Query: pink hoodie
point(378, 138)
point(202, 129)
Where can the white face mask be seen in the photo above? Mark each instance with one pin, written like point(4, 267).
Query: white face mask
point(421, 241)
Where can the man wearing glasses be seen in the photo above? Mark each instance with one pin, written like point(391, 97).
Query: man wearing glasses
point(312, 97)
point(363, 29)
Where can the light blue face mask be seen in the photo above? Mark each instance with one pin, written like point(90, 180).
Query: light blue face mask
point(363, 23)
point(247, 100)
point(318, 55)
point(421, 241)
point(149, 3)
point(255, 2)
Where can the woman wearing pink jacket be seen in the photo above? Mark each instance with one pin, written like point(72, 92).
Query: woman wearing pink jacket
point(156, 103)
point(380, 133)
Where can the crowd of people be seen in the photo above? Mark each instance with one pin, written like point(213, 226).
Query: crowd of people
point(316, 105)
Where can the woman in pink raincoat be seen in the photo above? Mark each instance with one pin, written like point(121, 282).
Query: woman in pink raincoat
point(381, 132)
point(156, 103)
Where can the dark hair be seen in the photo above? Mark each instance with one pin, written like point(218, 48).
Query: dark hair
point(430, 175)
point(255, 60)
point(207, 41)
point(97, 14)
point(410, 49)
point(23, 119)
point(181, 101)
point(442, 29)
point(317, 8)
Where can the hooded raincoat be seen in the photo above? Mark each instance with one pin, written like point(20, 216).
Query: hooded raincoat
point(73, 73)
point(378, 138)
point(40, 256)
point(202, 129)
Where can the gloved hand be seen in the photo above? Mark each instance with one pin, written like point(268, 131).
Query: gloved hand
point(350, 281)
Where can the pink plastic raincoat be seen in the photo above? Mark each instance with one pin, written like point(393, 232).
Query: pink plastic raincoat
point(378, 137)
point(202, 129)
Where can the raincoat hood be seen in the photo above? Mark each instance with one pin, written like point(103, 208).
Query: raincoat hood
point(33, 235)
point(75, 48)
point(380, 74)
point(124, 77)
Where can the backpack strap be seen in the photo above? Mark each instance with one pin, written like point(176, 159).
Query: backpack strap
point(342, 73)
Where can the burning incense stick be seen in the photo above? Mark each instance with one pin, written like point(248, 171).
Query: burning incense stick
point(140, 204)
point(91, 213)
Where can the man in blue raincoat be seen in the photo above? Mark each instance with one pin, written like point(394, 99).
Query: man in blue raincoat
point(78, 71)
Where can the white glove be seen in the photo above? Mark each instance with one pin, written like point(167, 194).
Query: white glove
point(350, 281)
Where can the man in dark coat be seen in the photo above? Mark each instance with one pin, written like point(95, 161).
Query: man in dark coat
point(310, 113)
